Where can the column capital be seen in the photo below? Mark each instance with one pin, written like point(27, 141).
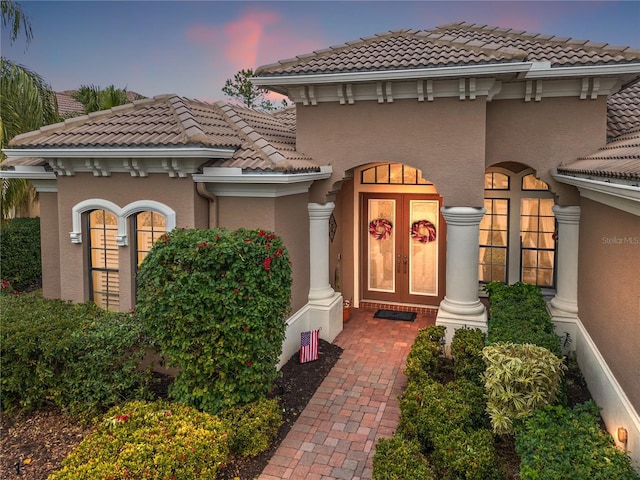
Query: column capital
point(463, 215)
point(320, 210)
point(569, 214)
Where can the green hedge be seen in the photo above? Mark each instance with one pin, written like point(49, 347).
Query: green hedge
point(78, 357)
point(252, 427)
point(466, 350)
point(150, 441)
point(559, 443)
point(215, 302)
point(20, 262)
point(399, 459)
point(518, 314)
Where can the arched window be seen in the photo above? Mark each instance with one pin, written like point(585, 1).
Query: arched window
point(392, 174)
point(516, 233)
point(148, 227)
point(104, 278)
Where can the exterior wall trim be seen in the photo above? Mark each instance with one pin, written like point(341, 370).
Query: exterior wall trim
point(617, 410)
point(122, 213)
point(615, 195)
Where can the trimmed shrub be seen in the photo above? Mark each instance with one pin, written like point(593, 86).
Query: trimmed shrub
point(215, 302)
point(20, 261)
point(518, 314)
point(469, 455)
point(519, 379)
point(423, 359)
point(558, 443)
point(400, 459)
point(466, 350)
point(150, 441)
point(79, 357)
point(253, 427)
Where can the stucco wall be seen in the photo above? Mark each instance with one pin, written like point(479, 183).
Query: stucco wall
point(121, 189)
point(444, 138)
point(545, 134)
point(49, 244)
point(609, 290)
point(288, 217)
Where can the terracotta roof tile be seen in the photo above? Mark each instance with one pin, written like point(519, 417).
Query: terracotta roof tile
point(263, 141)
point(623, 111)
point(450, 45)
point(620, 159)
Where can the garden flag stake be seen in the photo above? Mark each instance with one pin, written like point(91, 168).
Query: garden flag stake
point(309, 346)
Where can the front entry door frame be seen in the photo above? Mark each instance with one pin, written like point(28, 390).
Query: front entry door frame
point(398, 286)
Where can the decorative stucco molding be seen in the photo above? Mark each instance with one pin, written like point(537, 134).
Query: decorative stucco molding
point(121, 213)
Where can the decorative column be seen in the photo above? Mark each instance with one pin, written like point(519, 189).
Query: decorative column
point(461, 306)
point(564, 306)
point(325, 305)
point(319, 286)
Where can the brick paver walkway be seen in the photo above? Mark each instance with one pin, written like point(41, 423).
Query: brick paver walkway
point(357, 403)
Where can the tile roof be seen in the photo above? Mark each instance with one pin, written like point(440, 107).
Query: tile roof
point(458, 44)
point(262, 141)
point(620, 159)
point(68, 106)
point(623, 111)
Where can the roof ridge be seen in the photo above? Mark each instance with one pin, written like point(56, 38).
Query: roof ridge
point(189, 125)
point(264, 148)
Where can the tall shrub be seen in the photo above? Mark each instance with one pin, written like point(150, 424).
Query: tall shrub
point(20, 261)
point(215, 301)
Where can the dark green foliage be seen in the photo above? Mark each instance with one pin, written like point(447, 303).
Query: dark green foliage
point(79, 357)
point(558, 443)
point(466, 350)
point(518, 314)
point(215, 302)
point(252, 427)
point(400, 459)
point(468, 455)
point(422, 361)
point(20, 262)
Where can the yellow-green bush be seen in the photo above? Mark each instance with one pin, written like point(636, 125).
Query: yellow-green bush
point(253, 427)
point(399, 459)
point(150, 441)
point(519, 378)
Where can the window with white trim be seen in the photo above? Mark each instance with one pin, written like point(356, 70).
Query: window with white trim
point(517, 233)
point(104, 270)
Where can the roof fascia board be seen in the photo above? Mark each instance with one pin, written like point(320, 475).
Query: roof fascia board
point(28, 173)
point(621, 197)
point(154, 152)
point(590, 71)
point(417, 73)
point(235, 175)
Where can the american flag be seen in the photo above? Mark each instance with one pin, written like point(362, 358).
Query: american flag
point(309, 346)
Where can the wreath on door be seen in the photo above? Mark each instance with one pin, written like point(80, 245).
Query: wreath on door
point(423, 231)
point(380, 229)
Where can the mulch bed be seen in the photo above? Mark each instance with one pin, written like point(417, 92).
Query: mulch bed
point(33, 445)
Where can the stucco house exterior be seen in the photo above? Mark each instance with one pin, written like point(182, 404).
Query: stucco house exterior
point(414, 167)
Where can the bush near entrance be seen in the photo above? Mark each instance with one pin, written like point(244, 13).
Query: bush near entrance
point(215, 302)
point(20, 262)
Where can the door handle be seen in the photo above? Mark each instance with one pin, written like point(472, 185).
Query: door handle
point(405, 263)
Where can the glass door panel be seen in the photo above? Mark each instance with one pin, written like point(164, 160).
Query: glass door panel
point(381, 245)
point(423, 251)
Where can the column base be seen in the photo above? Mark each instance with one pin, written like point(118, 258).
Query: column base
point(565, 326)
point(321, 294)
point(326, 314)
point(454, 321)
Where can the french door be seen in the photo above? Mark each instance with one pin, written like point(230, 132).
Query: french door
point(403, 245)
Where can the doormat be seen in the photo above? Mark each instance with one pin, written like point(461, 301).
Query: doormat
point(395, 315)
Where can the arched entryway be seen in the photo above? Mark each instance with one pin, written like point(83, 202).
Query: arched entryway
point(399, 237)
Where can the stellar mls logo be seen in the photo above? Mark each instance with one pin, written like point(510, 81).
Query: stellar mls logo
point(621, 240)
